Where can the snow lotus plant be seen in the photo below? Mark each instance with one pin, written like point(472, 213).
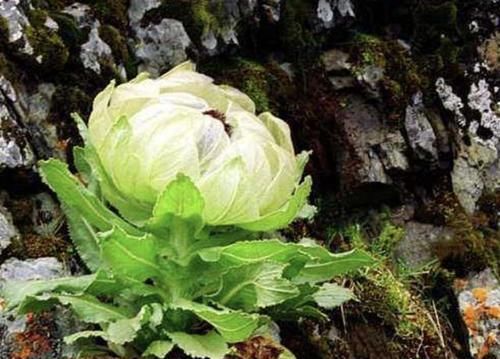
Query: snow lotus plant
point(176, 179)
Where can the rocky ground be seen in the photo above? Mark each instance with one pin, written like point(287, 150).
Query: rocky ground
point(398, 99)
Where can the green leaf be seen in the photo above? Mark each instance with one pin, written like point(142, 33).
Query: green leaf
point(71, 339)
point(285, 215)
point(247, 252)
point(130, 257)
point(210, 345)
point(327, 265)
point(180, 199)
point(71, 192)
point(90, 310)
point(314, 262)
point(301, 306)
point(331, 295)
point(82, 127)
point(159, 348)
point(14, 292)
point(81, 163)
point(256, 285)
point(234, 326)
point(84, 238)
point(125, 330)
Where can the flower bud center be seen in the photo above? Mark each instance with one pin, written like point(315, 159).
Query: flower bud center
point(221, 117)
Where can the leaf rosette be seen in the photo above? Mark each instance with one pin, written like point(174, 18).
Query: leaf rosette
point(176, 177)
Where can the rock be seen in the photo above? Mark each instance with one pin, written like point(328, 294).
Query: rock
point(392, 152)
point(271, 9)
point(480, 99)
point(138, 8)
point(30, 269)
point(160, 46)
point(328, 11)
point(15, 151)
point(41, 335)
point(370, 76)
point(479, 303)
point(450, 101)
point(81, 13)
point(359, 163)
point(416, 248)
point(7, 229)
point(467, 184)
point(489, 51)
point(335, 60)
point(17, 22)
point(342, 82)
point(419, 131)
point(95, 51)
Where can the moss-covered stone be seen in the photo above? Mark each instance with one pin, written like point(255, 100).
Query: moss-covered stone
point(295, 31)
point(111, 12)
point(69, 31)
point(4, 33)
point(37, 17)
point(266, 84)
point(476, 241)
point(116, 42)
point(402, 75)
point(49, 49)
point(197, 16)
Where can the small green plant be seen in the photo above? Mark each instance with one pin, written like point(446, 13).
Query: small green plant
point(181, 266)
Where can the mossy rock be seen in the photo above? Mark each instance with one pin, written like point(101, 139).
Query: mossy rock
point(50, 47)
point(295, 31)
point(197, 16)
point(111, 12)
point(111, 36)
point(266, 84)
point(69, 31)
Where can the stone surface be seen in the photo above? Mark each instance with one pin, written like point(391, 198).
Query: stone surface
point(392, 152)
point(419, 131)
point(416, 248)
point(40, 268)
point(8, 231)
point(15, 150)
point(335, 60)
point(479, 302)
point(17, 22)
point(160, 46)
point(138, 8)
point(370, 145)
point(37, 336)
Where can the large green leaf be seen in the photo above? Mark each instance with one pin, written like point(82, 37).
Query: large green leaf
point(331, 295)
point(255, 285)
point(84, 238)
point(71, 192)
point(316, 263)
point(159, 348)
point(71, 339)
point(14, 292)
point(180, 199)
point(90, 310)
point(234, 326)
point(328, 265)
point(285, 215)
point(301, 306)
point(126, 330)
point(210, 345)
point(134, 258)
point(247, 252)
